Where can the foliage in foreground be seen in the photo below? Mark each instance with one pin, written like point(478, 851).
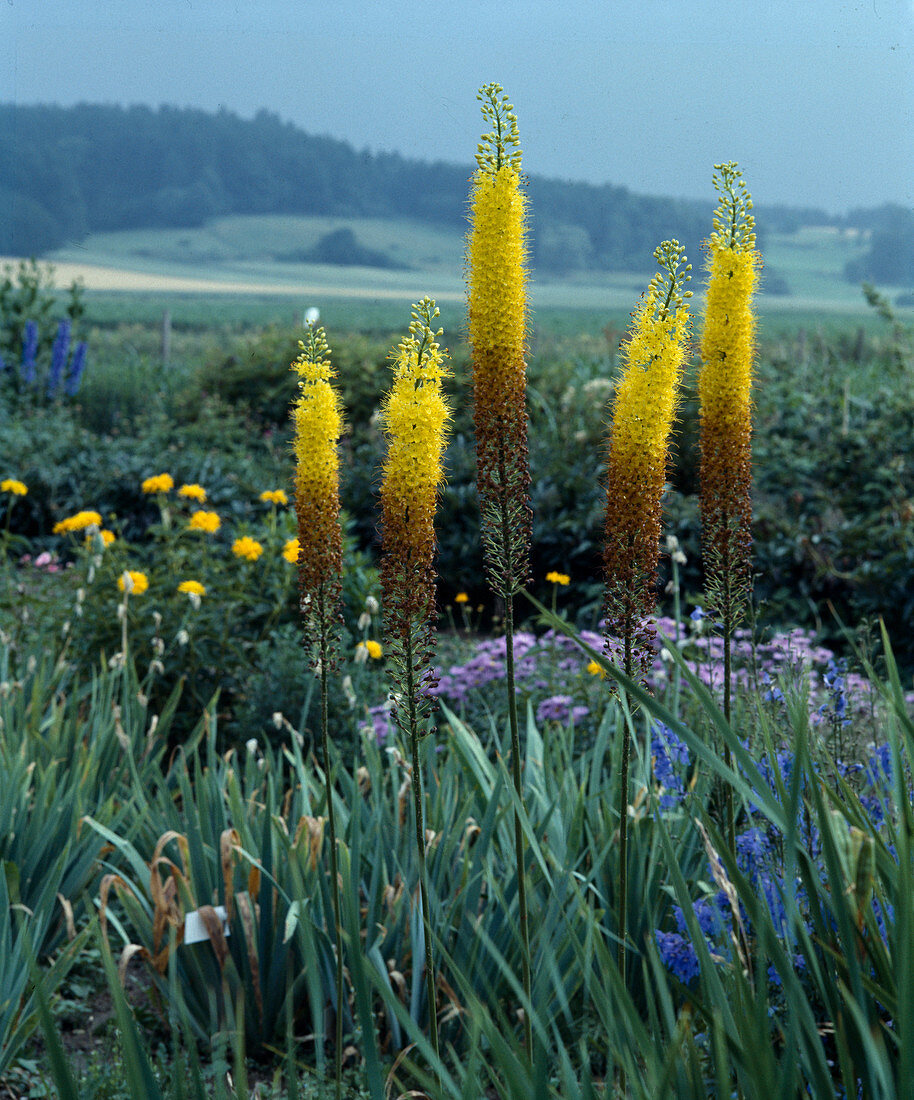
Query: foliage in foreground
point(785, 967)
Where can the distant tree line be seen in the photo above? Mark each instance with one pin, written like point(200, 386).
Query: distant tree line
point(68, 172)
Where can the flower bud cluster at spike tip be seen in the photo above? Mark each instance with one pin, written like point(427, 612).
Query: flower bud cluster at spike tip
point(496, 259)
point(415, 416)
point(724, 390)
point(644, 412)
point(318, 424)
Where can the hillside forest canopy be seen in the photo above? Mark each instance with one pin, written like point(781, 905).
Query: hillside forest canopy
point(69, 172)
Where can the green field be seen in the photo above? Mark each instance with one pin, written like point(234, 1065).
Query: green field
point(249, 252)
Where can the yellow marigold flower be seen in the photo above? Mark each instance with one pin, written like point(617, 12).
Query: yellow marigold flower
point(290, 551)
point(246, 547)
point(496, 266)
point(78, 522)
point(724, 391)
point(106, 536)
point(133, 582)
point(596, 669)
point(193, 492)
point(415, 415)
point(461, 597)
point(274, 496)
point(318, 422)
point(161, 483)
point(192, 588)
point(204, 521)
point(644, 411)
point(558, 578)
point(371, 649)
point(11, 485)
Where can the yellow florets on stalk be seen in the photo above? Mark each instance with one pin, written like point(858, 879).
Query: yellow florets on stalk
point(415, 416)
point(724, 391)
point(496, 269)
point(318, 422)
point(644, 411)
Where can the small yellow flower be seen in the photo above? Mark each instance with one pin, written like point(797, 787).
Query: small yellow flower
point(461, 597)
point(133, 582)
point(78, 522)
point(193, 492)
point(290, 551)
point(204, 521)
point(161, 483)
point(192, 588)
point(11, 485)
point(106, 536)
point(558, 578)
point(370, 648)
point(274, 496)
point(596, 669)
point(246, 547)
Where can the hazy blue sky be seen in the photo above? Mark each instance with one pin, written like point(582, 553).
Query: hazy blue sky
point(814, 98)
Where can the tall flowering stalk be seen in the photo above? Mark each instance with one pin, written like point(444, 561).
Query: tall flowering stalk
point(643, 415)
point(317, 417)
point(415, 417)
point(496, 264)
point(724, 391)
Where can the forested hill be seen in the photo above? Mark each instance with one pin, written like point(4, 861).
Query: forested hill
point(66, 172)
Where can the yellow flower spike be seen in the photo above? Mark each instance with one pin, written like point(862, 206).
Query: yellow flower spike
point(643, 415)
point(496, 271)
point(318, 420)
point(415, 416)
point(11, 485)
point(161, 483)
point(724, 391)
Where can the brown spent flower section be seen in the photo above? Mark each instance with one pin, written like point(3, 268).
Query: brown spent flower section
point(633, 524)
point(726, 505)
point(408, 576)
point(502, 470)
point(320, 564)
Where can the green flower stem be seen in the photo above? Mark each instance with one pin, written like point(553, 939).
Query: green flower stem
point(623, 815)
point(518, 832)
point(729, 813)
point(420, 847)
point(334, 872)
